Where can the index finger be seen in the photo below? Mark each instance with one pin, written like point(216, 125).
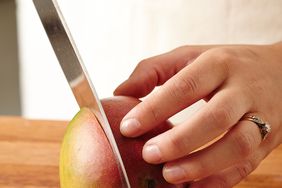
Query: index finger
point(189, 85)
point(156, 70)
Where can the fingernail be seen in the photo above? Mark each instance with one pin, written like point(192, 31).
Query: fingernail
point(174, 174)
point(130, 127)
point(152, 153)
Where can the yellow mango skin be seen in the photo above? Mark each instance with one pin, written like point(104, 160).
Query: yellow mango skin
point(87, 160)
point(79, 168)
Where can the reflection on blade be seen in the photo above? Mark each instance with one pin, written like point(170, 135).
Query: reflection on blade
point(75, 71)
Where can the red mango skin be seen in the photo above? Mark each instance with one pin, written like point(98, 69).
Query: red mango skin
point(87, 160)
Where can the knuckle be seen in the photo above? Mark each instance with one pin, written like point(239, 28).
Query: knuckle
point(200, 171)
point(244, 144)
point(221, 182)
point(223, 54)
point(256, 85)
point(184, 48)
point(143, 63)
point(152, 111)
point(220, 118)
point(197, 171)
point(245, 169)
point(178, 144)
point(184, 87)
point(222, 57)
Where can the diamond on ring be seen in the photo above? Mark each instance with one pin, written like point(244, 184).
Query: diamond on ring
point(264, 128)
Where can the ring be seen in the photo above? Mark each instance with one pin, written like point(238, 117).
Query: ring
point(264, 127)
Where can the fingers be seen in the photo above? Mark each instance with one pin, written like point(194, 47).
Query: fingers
point(189, 85)
point(155, 71)
point(236, 146)
point(236, 173)
point(229, 177)
point(219, 115)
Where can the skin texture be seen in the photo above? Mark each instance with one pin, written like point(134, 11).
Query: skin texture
point(235, 80)
point(87, 160)
point(80, 164)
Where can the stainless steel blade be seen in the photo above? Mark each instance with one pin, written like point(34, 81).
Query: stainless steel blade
point(75, 71)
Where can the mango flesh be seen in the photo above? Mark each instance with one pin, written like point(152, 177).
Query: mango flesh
point(86, 158)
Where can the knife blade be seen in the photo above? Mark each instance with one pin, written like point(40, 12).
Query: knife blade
point(75, 71)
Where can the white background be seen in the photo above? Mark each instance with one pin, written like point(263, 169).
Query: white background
point(113, 36)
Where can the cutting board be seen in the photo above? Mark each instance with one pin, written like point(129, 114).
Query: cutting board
point(29, 156)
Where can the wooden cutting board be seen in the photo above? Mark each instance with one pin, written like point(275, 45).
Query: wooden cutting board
point(29, 156)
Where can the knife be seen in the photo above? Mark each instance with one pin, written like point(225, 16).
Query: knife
point(75, 71)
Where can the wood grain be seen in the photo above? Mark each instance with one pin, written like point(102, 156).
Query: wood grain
point(29, 152)
point(29, 156)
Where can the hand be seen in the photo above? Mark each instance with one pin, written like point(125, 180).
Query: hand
point(235, 81)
